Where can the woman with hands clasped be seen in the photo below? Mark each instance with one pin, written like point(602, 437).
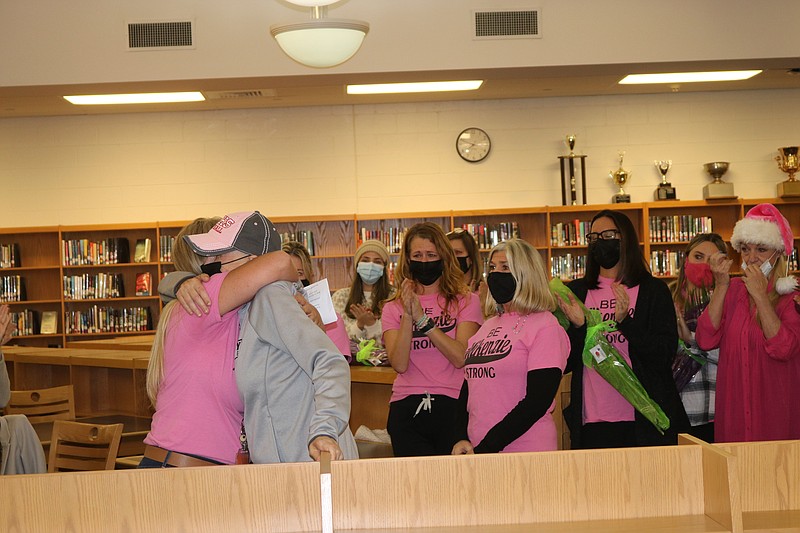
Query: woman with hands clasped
point(514, 363)
point(619, 285)
point(753, 321)
point(426, 327)
point(360, 304)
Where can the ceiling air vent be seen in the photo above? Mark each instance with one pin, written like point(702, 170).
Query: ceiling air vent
point(160, 35)
point(507, 24)
point(231, 95)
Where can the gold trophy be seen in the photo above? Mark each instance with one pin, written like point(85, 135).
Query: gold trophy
point(788, 162)
point(665, 189)
point(620, 177)
point(718, 189)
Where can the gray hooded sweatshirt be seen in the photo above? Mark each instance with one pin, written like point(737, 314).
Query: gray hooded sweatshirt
point(294, 383)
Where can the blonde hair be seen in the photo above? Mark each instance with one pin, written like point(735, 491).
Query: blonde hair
point(185, 260)
point(526, 265)
point(298, 250)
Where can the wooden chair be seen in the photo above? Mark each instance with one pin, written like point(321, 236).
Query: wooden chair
point(43, 405)
point(75, 446)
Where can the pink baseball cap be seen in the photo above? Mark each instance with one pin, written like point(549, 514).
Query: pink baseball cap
point(247, 231)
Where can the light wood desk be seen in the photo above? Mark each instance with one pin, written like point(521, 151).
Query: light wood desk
point(135, 342)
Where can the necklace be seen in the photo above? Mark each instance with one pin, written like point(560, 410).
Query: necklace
point(520, 323)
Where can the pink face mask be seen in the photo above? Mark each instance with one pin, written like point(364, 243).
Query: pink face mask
point(699, 274)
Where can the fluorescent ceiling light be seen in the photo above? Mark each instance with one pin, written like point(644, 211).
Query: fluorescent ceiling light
point(688, 77)
point(419, 87)
point(141, 98)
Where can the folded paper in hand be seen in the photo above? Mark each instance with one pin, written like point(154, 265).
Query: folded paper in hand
point(319, 295)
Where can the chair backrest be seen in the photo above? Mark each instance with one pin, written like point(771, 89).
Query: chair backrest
point(43, 405)
point(76, 446)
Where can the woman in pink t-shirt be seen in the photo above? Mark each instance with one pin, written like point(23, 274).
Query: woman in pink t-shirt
point(618, 283)
point(190, 378)
point(426, 327)
point(514, 363)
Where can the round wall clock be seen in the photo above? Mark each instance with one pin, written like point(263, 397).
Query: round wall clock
point(473, 145)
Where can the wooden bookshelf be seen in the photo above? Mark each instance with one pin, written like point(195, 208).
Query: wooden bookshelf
point(336, 238)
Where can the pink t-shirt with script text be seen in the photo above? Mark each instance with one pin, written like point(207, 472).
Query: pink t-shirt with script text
point(601, 401)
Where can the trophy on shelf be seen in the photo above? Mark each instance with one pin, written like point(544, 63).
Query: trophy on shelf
point(718, 189)
point(665, 189)
point(620, 177)
point(788, 162)
point(569, 181)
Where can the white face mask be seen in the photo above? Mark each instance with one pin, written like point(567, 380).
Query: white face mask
point(766, 266)
point(369, 272)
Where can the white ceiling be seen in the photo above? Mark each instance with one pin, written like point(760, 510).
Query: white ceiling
point(292, 91)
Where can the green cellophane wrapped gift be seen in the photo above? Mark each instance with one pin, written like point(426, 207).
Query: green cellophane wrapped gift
point(601, 355)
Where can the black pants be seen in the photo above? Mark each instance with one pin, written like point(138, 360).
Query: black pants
point(429, 432)
point(608, 435)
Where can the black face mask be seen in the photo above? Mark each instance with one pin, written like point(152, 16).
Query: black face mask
point(305, 282)
point(426, 272)
point(502, 285)
point(216, 266)
point(605, 252)
point(462, 264)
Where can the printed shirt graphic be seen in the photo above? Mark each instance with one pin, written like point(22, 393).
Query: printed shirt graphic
point(199, 410)
point(429, 370)
point(496, 370)
point(601, 401)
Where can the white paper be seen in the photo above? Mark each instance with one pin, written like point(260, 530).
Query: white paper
point(319, 295)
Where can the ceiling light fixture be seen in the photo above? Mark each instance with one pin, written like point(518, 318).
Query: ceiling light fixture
point(689, 77)
point(320, 42)
point(416, 87)
point(140, 98)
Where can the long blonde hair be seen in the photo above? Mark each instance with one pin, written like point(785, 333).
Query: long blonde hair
point(185, 260)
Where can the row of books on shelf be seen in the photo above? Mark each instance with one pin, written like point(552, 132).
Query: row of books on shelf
point(666, 262)
point(392, 238)
point(487, 236)
point(9, 256)
point(304, 237)
point(28, 323)
point(569, 233)
point(568, 266)
point(165, 244)
point(108, 320)
point(12, 289)
point(678, 228)
point(80, 252)
point(93, 286)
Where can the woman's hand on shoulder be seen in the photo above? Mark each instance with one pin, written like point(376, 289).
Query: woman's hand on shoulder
point(193, 297)
point(463, 447)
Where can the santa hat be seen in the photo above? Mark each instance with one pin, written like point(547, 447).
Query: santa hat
point(764, 224)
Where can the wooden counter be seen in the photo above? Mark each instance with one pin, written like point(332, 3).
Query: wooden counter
point(671, 489)
point(137, 342)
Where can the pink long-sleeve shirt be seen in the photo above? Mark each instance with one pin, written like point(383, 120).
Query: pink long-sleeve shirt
point(758, 379)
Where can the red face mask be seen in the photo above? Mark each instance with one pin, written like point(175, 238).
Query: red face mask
point(699, 274)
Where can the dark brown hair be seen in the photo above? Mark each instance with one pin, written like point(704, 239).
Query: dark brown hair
point(633, 266)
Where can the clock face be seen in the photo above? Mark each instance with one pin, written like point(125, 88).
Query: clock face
point(473, 145)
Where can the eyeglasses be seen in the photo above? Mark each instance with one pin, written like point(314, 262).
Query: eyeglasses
point(456, 231)
point(605, 235)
